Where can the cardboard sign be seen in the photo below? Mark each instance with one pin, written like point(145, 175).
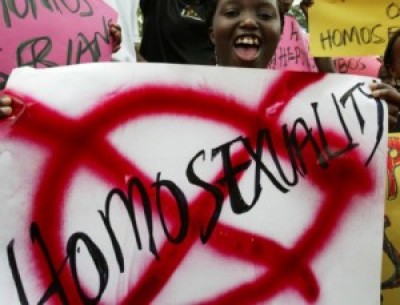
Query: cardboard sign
point(292, 53)
point(352, 27)
point(176, 185)
point(52, 33)
point(391, 245)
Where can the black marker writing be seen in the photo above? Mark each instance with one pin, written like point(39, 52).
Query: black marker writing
point(342, 37)
point(38, 51)
point(393, 11)
point(21, 9)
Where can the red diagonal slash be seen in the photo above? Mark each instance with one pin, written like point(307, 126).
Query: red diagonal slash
point(82, 142)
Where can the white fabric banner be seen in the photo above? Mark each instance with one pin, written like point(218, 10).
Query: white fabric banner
point(169, 184)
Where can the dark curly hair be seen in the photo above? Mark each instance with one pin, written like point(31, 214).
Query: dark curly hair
point(211, 7)
point(388, 56)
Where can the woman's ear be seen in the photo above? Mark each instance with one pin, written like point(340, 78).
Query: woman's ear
point(211, 35)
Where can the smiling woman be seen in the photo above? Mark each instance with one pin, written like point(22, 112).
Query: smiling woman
point(245, 33)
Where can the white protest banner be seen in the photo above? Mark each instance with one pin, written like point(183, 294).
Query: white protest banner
point(179, 185)
point(51, 33)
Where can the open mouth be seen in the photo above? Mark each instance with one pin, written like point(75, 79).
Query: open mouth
point(247, 47)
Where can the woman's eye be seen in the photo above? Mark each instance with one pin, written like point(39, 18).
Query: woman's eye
point(231, 13)
point(264, 15)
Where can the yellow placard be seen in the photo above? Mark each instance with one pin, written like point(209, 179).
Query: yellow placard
point(352, 27)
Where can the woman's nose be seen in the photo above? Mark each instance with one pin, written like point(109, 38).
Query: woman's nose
point(249, 21)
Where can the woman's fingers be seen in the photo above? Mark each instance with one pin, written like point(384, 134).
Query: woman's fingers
point(385, 92)
point(5, 106)
point(115, 32)
point(391, 96)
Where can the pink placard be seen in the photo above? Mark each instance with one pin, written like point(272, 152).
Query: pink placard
point(292, 52)
point(53, 33)
point(361, 65)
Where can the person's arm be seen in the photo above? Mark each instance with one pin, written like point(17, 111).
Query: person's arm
point(305, 5)
point(391, 96)
point(325, 64)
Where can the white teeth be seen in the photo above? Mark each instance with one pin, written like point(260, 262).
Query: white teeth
point(250, 40)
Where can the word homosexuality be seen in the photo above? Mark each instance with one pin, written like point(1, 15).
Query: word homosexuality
point(297, 141)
